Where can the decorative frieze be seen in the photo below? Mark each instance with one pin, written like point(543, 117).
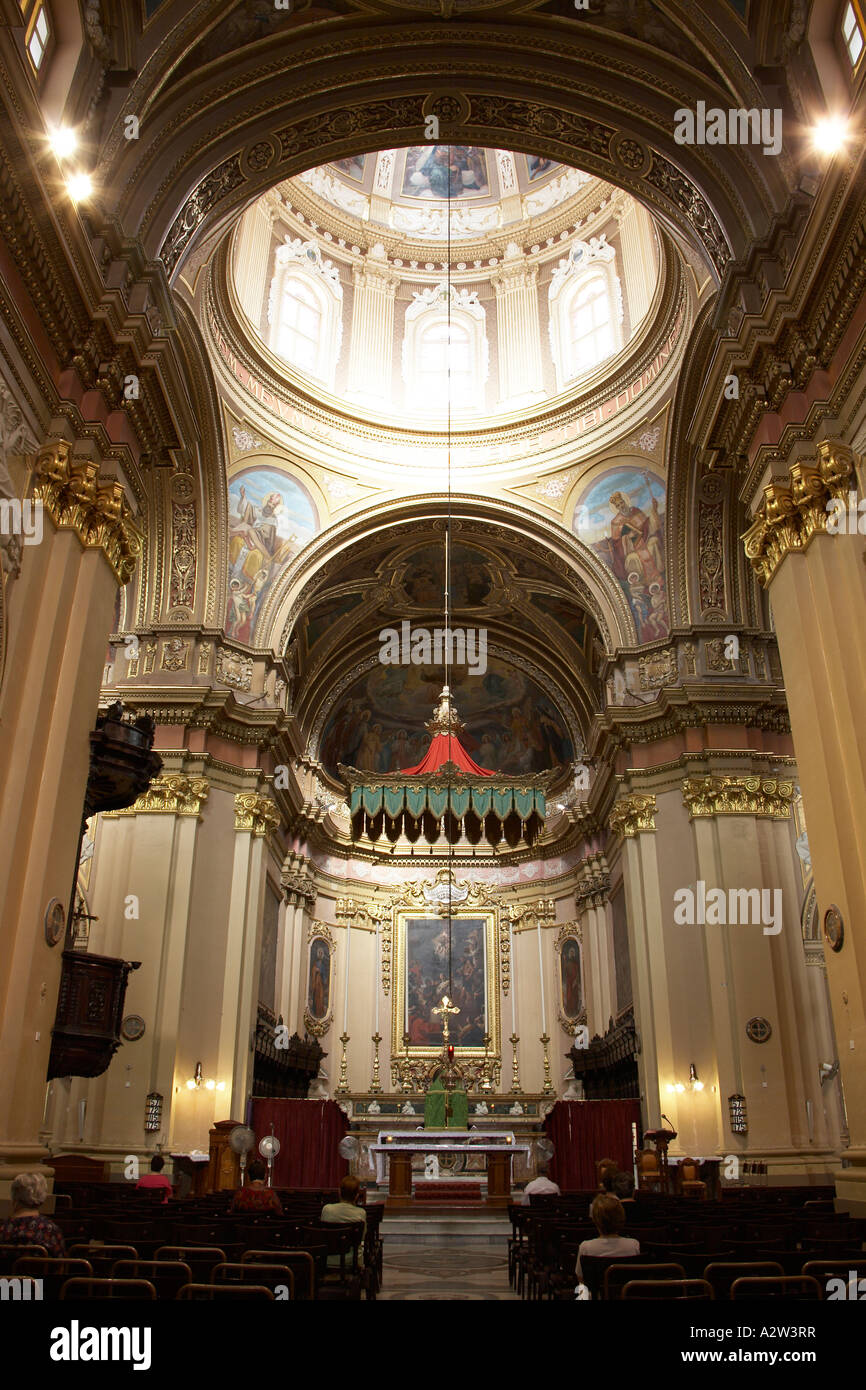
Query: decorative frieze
point(791, 514)
point(656, 669)
point(255, 813)
point(745, 795)
point(97, 511)
point(297, 881)
point(172, 794)
point(632, 814)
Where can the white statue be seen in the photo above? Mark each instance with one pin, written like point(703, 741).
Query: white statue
point(516, 1109)
point(374, 1108)
point(407, 1108)
point(482, 1108)
point(431, 1167)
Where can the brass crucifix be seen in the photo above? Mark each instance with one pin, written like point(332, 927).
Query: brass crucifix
point(445, 1008)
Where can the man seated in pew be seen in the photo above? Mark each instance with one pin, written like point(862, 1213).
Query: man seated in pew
point(256, 1198)
point(347, 1210)
point(541, 1186)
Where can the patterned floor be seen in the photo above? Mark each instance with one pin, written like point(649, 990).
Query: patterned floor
point(445, 1272)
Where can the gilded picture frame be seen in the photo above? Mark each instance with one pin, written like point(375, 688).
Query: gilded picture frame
point(421, 978)
point(318, 1009)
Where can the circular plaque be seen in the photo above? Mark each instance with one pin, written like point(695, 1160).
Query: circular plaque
point(55, 921)
point(834, 928)
point(132, 1027)
point(759, 1030)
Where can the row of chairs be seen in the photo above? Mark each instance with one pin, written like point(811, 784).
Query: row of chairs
point(612, 1278)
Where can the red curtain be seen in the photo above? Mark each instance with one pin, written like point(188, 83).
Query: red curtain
point(583, 1131)
point(309, 1132)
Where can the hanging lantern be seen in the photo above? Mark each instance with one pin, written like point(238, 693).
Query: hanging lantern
point(447, 795)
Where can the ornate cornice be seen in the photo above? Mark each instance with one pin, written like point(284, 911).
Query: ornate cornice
point(792, 514)
point(767, 797)
point(632, 814)
point(75, 498)
point(170, 794)
point(255, 813)
point(296, 880)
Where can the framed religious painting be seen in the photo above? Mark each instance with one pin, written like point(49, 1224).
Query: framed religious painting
point(435, 956)
point(572, 1011)
point(317, 1011)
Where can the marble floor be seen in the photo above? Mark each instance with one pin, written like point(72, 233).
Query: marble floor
point(446, 1270)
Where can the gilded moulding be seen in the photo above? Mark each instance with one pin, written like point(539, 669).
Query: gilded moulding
point(98, 512)
point(767, 797)
point(171, 794)
point(255, 813)
point(792, 514)
point(632, 814)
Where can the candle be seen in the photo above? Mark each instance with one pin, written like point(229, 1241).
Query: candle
point(541, 982)
point(346, 990)
point(376, 977)
point(513, 981)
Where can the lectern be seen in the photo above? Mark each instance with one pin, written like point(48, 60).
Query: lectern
point(660, 1138)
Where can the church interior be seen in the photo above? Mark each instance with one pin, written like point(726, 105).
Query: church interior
point(430, 522)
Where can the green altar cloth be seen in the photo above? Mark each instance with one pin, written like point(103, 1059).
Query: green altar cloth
point(438, 1101)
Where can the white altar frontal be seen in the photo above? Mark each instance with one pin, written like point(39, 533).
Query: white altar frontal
point(433, 1142)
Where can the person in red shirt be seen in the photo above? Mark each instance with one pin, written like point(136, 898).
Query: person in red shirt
point(255, 1197)
point(156, 1178)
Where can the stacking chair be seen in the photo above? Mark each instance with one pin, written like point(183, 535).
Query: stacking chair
point(276, 1277)
point(76, 1288)
point(785, 1286)
point(209, 1292)
point(200, 1258)
point(621, 1272)
point(667, 1288)
point(340, 1241)
point(688, 1179)
point(167, 1276)
point(10, 1252)
point(102, 1258)
point(722, 1274)
point(53, 1270)
point(300, 1262)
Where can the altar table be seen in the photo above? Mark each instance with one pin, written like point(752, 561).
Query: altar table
point(399, 1146)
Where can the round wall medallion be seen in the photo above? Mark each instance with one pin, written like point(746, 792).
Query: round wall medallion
point(834, 928)
point(132, 1027)
point(759, 1030)
point(55, 921)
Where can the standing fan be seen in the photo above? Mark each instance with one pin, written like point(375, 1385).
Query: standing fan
point(348, 1147)
point(241, 1140)
point(269, 1147)
point(544, 1150)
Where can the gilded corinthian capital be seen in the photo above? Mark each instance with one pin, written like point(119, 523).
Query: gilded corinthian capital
point(256, 813)
point(171, 794)
point(631, 814)
point(97, 511)
point(748, 795)
point(792, 513)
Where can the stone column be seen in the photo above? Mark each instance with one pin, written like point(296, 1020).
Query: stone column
point(592, 899)
point(371, 349)
point(817, 586)
point(255, 816)
point(252, 256)
point(521, 378)
point(60, 620)
point(638, 259)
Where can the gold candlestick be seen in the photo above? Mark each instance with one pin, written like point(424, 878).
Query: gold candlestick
point(547, 1088)
point(343, 1085)
point(516, 1088)
point(374, 1084)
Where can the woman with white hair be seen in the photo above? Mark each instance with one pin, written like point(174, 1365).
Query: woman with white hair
point(26, 1225)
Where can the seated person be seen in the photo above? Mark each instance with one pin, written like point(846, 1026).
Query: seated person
point(608, 1215)
point(156, 1178)
point(25, 1224)
point(541, 1186)
point(346, 1210)
point(255, 1197)
point(623, 1188)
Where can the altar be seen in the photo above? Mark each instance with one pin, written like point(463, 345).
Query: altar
point(396, 1148)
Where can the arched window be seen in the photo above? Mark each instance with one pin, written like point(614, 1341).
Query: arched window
point(853, 32)
point(586, 311)
point(305, 310)
point(590, 330)
point(445, 361)
point(300, 328)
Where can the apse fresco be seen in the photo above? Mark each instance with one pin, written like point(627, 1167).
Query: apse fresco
point(352, 168)
point(621, 517)
point(271, 519)
point(445, 171)
point(511, 725)
point(537, 165)
point(424, 577)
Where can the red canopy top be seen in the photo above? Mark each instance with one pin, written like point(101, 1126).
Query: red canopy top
point(447, 748)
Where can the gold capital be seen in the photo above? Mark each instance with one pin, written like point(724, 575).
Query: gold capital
point(747, 795)
point(793, 513)
point(170, 794)
point(256, 813)
point(631, 814)
point(97, 511)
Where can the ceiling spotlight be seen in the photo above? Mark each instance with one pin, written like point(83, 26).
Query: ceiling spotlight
point(63, 141)
point(829, 135)
point(79, 187)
